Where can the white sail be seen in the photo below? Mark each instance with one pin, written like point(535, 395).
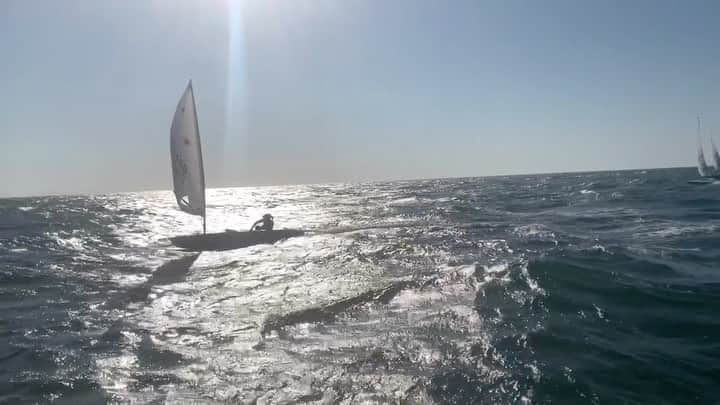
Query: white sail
point(703, 168)
point(716, 157)
point(186, 156)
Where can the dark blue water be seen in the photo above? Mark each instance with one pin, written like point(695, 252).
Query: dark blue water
point(568, 288)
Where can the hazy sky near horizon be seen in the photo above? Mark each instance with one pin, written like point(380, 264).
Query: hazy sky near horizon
point(304, 91)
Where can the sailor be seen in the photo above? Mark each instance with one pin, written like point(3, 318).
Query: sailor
point(264, 224)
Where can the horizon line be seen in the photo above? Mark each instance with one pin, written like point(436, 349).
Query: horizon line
point(90, 194)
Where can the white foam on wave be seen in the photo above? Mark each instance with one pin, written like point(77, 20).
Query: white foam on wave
point(589, 193)
point(537, 231)
point(600, 313)
point(70, 242)
point(454, 291)
point(531, 282)
point(495, 272)
point(412, 298)
point(403, 201)
point(453, 283)
point(677, 230)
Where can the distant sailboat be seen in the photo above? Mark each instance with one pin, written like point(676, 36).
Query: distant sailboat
point(189, 184)
point(704, 170)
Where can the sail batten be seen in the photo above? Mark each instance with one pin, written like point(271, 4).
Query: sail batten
point(186, 156)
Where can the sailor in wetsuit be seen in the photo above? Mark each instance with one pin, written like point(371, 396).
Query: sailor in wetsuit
point(264, 224)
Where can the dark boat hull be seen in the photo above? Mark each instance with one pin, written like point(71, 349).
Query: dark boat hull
point(232, 239)
point(705, 180)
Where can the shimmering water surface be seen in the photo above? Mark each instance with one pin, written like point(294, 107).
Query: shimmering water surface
point(569, 288)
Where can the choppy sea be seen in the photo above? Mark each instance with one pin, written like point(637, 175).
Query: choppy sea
point(564, 289)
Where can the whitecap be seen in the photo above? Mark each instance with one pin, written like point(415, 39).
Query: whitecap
point(538, 231)
point(403, 201)
point(682, 230)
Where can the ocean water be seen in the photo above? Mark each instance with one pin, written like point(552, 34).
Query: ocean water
point(568, 288)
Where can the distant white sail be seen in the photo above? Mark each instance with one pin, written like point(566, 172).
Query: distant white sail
point(186, 156)
point(716, 157)
point(703, 168)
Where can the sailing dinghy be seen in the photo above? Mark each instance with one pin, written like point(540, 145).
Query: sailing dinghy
point(189, 185)
point(708, 173)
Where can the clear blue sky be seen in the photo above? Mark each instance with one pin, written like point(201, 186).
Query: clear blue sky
point(320, 91)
